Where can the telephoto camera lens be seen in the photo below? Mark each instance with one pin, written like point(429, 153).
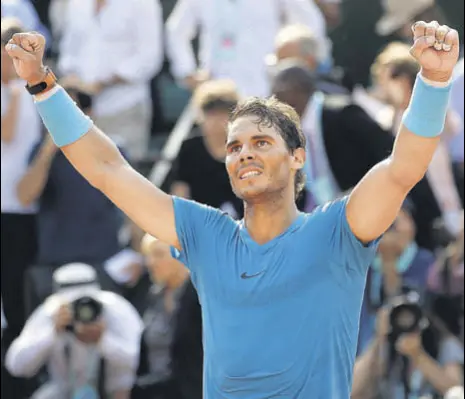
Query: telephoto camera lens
point(406, 315)
point(86, 310)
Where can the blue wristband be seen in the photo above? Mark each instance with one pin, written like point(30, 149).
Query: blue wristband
point(63, 118)
point(426, 114)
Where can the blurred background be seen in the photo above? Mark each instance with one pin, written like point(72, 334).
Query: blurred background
point(160, 78)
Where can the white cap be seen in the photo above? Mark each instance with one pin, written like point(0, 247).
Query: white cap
point(397, 13)
point(75, 280)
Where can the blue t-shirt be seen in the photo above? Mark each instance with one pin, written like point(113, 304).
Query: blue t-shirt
point(281, 319)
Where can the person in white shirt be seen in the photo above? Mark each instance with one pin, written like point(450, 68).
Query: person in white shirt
point(113, 48)
point(90, 349)
point(235, 38)
point(21, 129)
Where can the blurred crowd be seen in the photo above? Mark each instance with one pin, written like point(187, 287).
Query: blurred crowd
point(94, 308)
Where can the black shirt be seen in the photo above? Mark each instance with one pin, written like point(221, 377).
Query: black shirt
point(207, 178)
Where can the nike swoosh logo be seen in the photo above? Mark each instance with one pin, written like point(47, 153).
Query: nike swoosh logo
point(246, 276)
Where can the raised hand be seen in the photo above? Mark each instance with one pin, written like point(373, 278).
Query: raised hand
point(436, 48)
point(27, 52)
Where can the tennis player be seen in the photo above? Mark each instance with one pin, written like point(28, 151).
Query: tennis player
point(281, 291)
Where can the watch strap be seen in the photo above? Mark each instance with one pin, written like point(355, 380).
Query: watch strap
point(47, 84)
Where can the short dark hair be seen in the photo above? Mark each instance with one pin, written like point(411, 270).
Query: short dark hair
point(10, 27)
point(273, 113)
point(406, 67)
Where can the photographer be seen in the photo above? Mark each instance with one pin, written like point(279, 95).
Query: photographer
point(408, 361)
point(88, 338)
point(400, 263)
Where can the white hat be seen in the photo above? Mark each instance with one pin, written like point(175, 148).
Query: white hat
point(75, 280)
point(397, 13)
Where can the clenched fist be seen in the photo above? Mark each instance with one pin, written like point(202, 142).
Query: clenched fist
point(27, 52)
point(436, 48)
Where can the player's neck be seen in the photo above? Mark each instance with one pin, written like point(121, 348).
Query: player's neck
point(267, 220)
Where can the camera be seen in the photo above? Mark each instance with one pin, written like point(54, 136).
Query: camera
point(86, 310)
point(406, 315)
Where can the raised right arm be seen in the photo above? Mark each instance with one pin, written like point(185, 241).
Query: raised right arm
point(88, 149)
point(100, 162)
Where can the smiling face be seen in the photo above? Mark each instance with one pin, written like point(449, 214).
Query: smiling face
point(261, 160)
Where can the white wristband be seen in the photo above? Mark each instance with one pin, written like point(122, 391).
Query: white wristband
point(45, 96)
point(434, 83)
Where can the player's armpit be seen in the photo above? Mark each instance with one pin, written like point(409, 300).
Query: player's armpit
point(374, 203)
point(376, 200)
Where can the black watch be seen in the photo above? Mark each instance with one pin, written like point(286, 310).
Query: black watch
point(47, 84)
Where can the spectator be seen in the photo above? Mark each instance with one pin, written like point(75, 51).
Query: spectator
point(88, 339)
point(434, 356)
point(115, 62)
point(21, 128)
point(298, 42)
point(400, 264)
point(343, 142)
point(26, 14)
point(235, 38)
point(155, 376)
point(401, 76)
point(400, 15)
point(205, 155)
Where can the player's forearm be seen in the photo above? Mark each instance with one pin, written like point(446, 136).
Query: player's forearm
point(420, 132)
point(95, 157)
point(411, 158)
point(89, 150)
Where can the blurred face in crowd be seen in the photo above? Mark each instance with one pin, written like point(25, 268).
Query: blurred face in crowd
point(293, 50)
point(397, 89)
point(258, 160)
point(163, 268)
point(296, 99)
point(8, 70)
point(214, 125)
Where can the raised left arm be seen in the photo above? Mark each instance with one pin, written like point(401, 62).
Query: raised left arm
point(377, 199)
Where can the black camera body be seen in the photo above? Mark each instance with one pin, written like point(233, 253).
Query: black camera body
point(406, 315)
point(86, 310)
